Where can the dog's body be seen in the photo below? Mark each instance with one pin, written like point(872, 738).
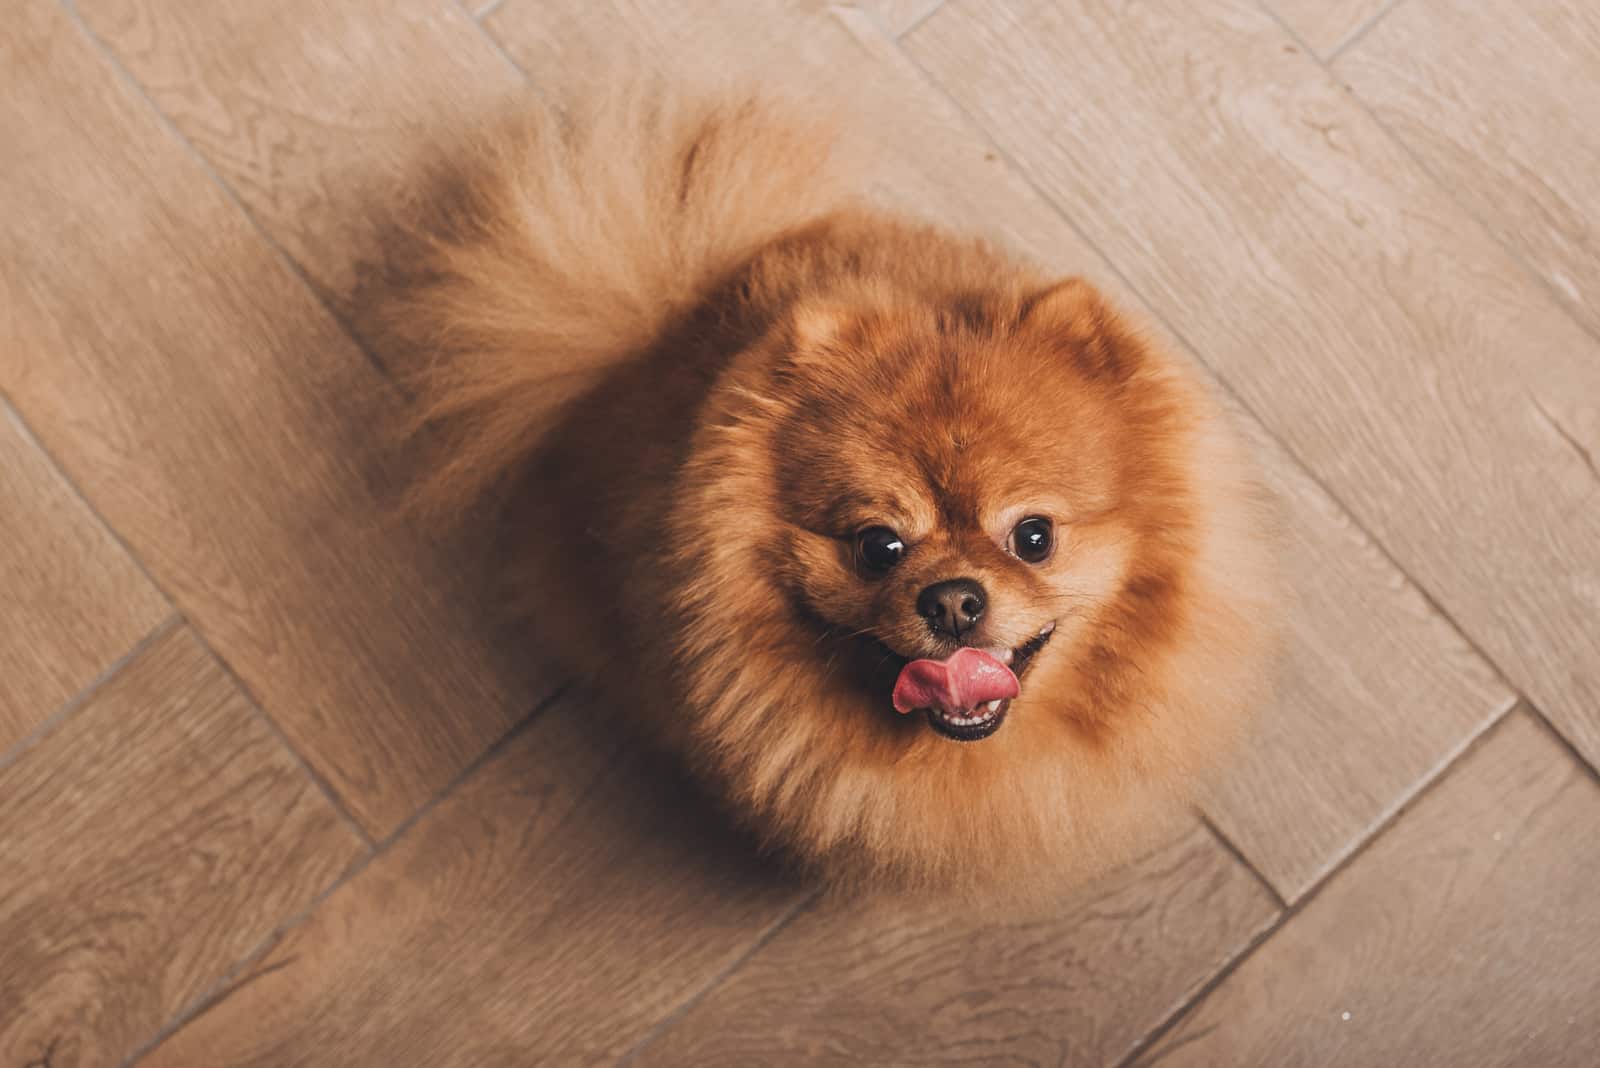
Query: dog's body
point(801, 462)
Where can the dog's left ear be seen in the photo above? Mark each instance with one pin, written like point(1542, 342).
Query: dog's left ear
point(812, 337)
point(818, 327)
point(1073, 314)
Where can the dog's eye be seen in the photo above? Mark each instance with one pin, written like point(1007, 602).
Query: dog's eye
point(1032, 540)
point(879, 548)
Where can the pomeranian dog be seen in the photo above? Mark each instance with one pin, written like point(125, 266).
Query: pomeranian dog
point(929, 565)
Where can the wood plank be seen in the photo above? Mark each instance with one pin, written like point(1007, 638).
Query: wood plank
point(896, 982)
point(556, 41)
point(1326, 26)
point(150, 843)
point(1442, 395)
point(936, 163)
point(898, 16)
point(320, 117)
point(74, 601)
point(221, 422)
point(1377, 693)
point(1500, 101)
point(1467, 935)
point(563, 901)
point(1336, 753)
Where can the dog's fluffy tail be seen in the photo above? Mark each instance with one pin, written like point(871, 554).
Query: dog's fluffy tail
point(582, 235)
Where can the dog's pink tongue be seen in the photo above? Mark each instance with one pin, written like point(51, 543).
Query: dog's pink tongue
point(968, 679)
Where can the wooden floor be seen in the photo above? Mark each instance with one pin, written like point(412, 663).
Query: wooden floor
point(273, 791)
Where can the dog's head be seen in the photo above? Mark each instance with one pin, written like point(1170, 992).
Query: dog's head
point(959, 491)
point(1006, 520)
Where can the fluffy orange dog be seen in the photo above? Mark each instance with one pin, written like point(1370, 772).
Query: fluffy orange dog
point(935, 570)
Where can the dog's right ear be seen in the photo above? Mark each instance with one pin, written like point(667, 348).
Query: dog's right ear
point(816, 328)
point(1066, 306)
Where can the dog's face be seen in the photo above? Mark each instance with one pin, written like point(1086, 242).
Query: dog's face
point(955, 481)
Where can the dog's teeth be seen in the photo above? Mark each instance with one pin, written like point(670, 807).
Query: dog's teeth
point(1008, 656)
point(1048, 627)
point(994, 706)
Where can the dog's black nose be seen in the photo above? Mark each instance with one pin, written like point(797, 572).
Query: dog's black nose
point(952, 607)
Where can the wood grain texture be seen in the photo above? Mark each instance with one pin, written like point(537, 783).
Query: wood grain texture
point(223, 425)
point(319, 116)
point(1328, 25)
point(572, 903)
point(936, 164)
point(1377, 691)
point(1444, 397)
point(565, 900)
point(898, 16)
point(920, 983)
point(1466, 936)
point(1376, 694)
point(71, 599)
point(150, 843)
point(1501, 100)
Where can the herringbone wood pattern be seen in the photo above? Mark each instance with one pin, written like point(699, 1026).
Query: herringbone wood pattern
point(274, 792)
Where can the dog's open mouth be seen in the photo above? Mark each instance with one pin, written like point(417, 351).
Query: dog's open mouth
point(966, 696)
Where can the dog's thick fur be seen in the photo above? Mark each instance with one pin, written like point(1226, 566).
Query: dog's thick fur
point(673, 323)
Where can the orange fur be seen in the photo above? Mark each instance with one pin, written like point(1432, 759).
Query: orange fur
point(671, 328)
